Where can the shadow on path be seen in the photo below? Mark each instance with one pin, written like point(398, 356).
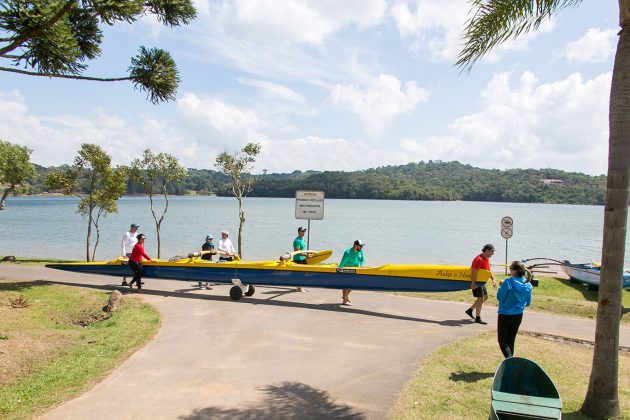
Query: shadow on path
point(289, 400)
point(332, 307)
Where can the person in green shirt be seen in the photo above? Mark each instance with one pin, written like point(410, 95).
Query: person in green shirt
point(299, 244)
point(353, 257)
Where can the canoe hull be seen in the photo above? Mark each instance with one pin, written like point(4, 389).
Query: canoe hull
point(522, 389)
point(589, 274)
point(415, 278)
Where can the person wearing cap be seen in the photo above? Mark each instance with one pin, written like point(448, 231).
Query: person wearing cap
point(225, 247)
point(128, 242)
point(208, 248)
point(135, 260)
point(479, 291)
point(299, 244)
point(352, 257)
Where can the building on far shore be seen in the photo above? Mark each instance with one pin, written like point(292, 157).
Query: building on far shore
point(552, 181)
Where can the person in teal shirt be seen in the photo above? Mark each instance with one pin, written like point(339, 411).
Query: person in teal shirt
point(299, 244)
point(353, 257)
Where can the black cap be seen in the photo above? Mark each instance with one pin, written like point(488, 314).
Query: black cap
point(359, 242)
point(487, 247)
point(140, 236)
point(301, 229)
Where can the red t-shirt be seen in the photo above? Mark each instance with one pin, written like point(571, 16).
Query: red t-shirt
point(137, 253)
point(481, 263)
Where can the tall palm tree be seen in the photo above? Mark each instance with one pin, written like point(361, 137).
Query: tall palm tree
point(495, 21)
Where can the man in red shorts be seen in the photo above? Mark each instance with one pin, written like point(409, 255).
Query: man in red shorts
point(481, 262)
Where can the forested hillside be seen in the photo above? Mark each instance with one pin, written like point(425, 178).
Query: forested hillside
point(433, 180)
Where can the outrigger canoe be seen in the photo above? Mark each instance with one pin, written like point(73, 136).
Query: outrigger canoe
point(589, 274)
point(246, 274)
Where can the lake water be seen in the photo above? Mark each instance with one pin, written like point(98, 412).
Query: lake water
point(395, 231)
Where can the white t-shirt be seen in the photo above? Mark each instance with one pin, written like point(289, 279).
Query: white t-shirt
point(225, 245)
point(128, 241)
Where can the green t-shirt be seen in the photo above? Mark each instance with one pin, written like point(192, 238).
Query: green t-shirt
point(352, 258)
point(299, 244)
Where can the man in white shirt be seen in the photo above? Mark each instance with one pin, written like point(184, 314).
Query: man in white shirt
point(225, 247)
point(129, 240)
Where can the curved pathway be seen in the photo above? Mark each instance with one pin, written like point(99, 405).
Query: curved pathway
point(278, 354)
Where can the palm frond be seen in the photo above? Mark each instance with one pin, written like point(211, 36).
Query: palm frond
point(495, 21)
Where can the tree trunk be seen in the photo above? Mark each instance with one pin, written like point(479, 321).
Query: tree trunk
point(157, 224)
point(89, 234)
point(602, 399)
point(6, 193)
point(159, 241)
point(241, 218)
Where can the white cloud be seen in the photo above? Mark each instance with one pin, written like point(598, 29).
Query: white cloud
point(298, 21)
point(381, 102)
point(274, 90)
point(559, 125)
point(436, 27)
point(595, 46)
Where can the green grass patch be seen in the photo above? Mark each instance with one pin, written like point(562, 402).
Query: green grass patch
point(47, 356)
point(35, 261)
point(455, 381)
point(553, 295)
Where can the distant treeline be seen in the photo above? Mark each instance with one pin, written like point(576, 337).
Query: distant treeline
point(433, 180)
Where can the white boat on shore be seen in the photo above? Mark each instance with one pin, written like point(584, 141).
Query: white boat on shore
point(589, 274)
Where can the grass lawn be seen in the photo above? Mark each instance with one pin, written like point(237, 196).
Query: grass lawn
point(60, 346)
point(553, 295)
point(455, 381)
point(36, 261)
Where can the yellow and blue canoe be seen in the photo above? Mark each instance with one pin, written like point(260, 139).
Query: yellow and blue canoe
point(389, 277)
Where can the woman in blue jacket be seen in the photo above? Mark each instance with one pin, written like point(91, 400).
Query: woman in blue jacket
point(514, 295)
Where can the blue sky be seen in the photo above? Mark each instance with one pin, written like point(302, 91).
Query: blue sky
point(329, 85)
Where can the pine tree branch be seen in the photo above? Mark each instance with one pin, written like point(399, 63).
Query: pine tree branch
point(30, 34)
point(65, 76)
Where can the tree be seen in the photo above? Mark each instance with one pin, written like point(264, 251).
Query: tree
point(155, 173)
point(15, 168)
point(55, 38)
point(494, 21)
point(104, 185)
point(237, 165)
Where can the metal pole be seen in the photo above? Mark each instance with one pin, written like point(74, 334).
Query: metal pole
point(506, 258)
point(308, 235)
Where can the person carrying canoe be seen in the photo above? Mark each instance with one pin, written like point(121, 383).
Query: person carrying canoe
point(135, 260)
point(352, 257)
point(299, 244)
point(208, 248)
point(514, 294)
point(128, 242)
point(225, 247)
point(479, 291)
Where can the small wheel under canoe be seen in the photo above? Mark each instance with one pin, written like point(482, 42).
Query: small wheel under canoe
point(236, 293)
point(251, 290)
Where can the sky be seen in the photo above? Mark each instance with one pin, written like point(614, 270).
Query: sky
point(335, 85)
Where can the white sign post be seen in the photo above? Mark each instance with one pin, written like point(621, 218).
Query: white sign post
point(309, 205)
point(507, 226)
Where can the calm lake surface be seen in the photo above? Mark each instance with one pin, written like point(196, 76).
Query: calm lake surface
point(418, 232)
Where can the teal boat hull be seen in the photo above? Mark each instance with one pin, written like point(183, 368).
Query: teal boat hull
point(522, 390)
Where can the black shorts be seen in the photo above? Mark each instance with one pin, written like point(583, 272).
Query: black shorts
point(480, 291)
point(300, 261)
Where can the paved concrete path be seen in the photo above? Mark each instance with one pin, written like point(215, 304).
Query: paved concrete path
point(278, 354)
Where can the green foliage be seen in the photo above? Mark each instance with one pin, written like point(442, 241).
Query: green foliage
point(436, 180)
point(155, 173)
point(105, 185)
point(15, 168)
point(237, 166)
point(495, 21)
point(57, 37)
